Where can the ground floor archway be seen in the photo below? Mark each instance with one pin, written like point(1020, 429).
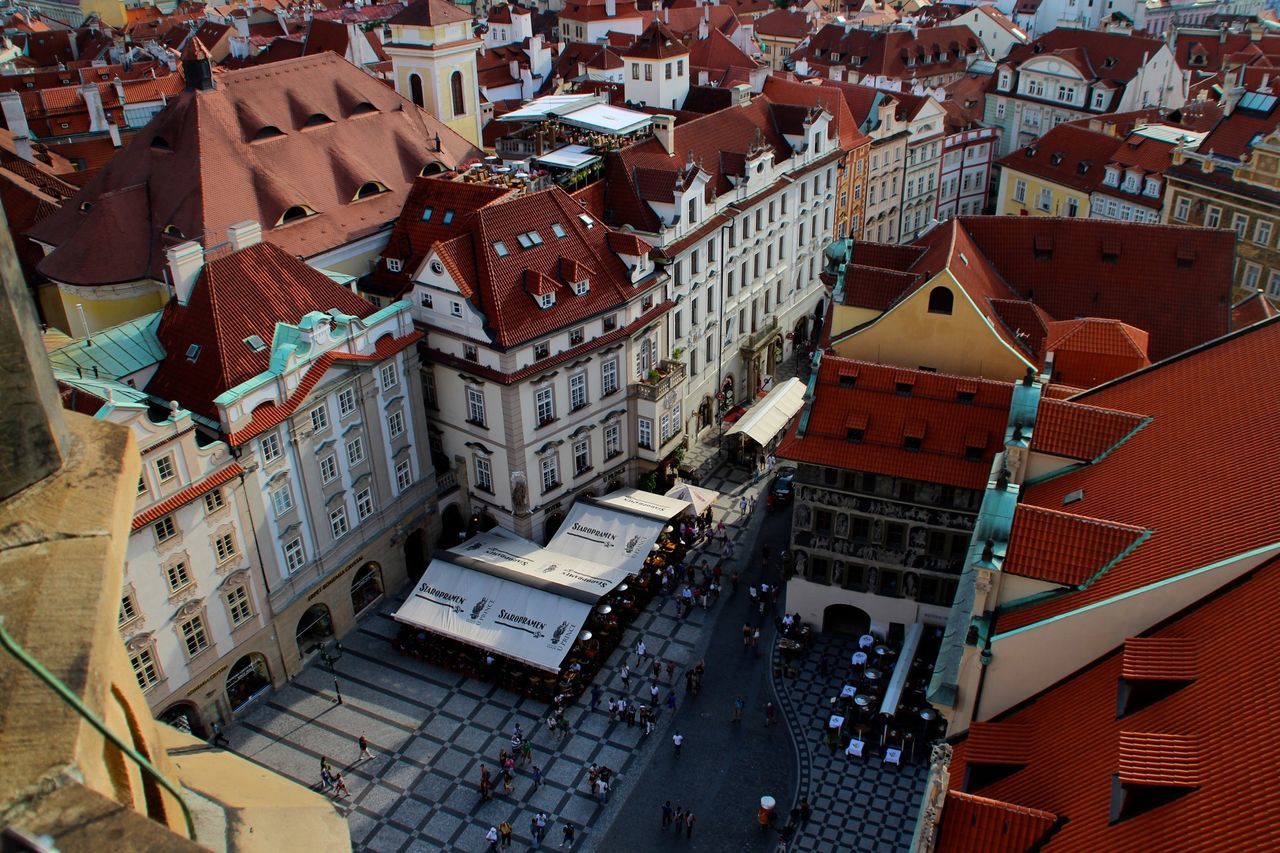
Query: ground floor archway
point(415, 551)
point(246, 680)
point(452, 527)
point(845, 619)
point(315, 628)
point(185, 717)
point(366, 587)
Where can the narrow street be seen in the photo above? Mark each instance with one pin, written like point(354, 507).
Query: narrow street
point(725, 767)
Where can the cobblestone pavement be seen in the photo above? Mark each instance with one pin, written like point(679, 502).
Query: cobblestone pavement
point(861, 805)
point(431, 730)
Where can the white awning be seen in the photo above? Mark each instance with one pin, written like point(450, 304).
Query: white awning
point(503, 616)
point(507, 556)
point(700, 498)
point(767, 418)
point(607, 536)
point(644, 503)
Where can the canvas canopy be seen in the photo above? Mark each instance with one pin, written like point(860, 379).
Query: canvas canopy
point(606, 535)
point(506, 617)
point(644, 503)
point(767, 418)
point(509, 557)
point(701, 498)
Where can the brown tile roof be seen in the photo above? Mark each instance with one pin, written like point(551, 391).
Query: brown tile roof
point(1077, 431)
point(656, 42)
point(1068, 155)
point(861, 395)
point(1063, 548)
point(244, 151)
point(1180, 475)
point(718, 55)
point(896, 54)
point(1113, 58)
point(783, 23)
point(237, 295)
point(187, 495)
point(1252, 309)
point(973, 823)
point(429, 13)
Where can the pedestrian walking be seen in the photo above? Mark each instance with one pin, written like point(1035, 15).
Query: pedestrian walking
point(626, 676)
point(734, 578)
point(602, 790)
point(646, 717)
point(541, 820)
point(533, 832)
point(671, 671)
point(653, 692)
point(752, 503)
point(364, 747)
point(671, 700)
point(526, 752)
point(666, 815)
point(537, 778)
point(340, 786)
point(677, 740)
point(492, 837)
point(738, 705)
point(755, 634)
point(613, 709)
point(656, 669)
point(219, 739)
point(742, 505)
point(595, 696)
point(688, 824)
point(504, 830)
point(679, 820)
point(486, 785)
point(508, 779)
point(640, 651)
point(566, 839)
point(769, 714)
point(326, 778)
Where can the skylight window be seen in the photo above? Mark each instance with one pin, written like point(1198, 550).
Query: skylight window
point(193, 352)
point(587, 220)
point(501, 248)
point(255, 343)
point(557, 229)
point(524, 241)
point(426, 215)
point(536, 238)
point(448, 217)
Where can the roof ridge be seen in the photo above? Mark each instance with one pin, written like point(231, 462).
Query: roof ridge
point(1086, 519)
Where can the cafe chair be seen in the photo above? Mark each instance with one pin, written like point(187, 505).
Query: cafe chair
point(854, 749)
point(893, 756)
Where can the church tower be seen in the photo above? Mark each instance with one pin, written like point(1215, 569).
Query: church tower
point(433, 52)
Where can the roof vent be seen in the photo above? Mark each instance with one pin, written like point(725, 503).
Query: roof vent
point(255, 343)
point(193, 352)
point(1073, 497)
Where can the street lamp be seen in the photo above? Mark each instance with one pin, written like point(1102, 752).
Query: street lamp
point(330, 660)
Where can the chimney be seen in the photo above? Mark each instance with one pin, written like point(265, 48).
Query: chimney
point(242, 235)
point(15, 117)
point(93, 101)
point(610, 8)
point(742, 94)
point(119, 86)
point(242, 25)
point(114, 131)
point(664, 131)
point(514, 67)
point(704, 31)
point(185, 262)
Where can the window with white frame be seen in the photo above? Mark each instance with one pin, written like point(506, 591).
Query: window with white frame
point(165, 529)
point(164, 468)
point(1020, 191)
point(270, 447)
point(128, 609)
point(388, 376)
point(355, 451)
point(194, 637)
point(329, 468)
point(1000, 109)
point(224, 547)
point(142, 484)
point(664, 427)
point(238, 606)
point(320, 418)
point(644, 433)
point(338, 522)
point(612, 441)
point(177, 576)
point(475, 406)
point(484, 474)
point(364, 503)
point(581, 457)
point(294, 555)
point(1262, 232)
point(282, 499)
point(1273, 284)
point(1045, 200)
point(395, 424)
point(213, 501)
point(1252, 275)
point(346, 401)
point(144, 667)
point(544, 404)
point(577, 390)
point(1239, 224)
point(1182, 209)
point(455, 308)
point(404, 475)
point(1212, 217)
point(550, 472)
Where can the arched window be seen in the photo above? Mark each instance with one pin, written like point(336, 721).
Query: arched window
point(455, 87)
point(940, 300)
point(369, 188)
point(293, 214)
point(415, 89)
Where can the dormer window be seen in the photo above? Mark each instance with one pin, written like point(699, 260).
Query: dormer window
point(255, 343)
point(173, 231)
point(317, 120)
point(581, 287)
point(1006, 80)
point(1152, 188)
point(294, 213)
point(269, 131)
point(1113, 177)
point(546, 300)
point(369, 188)
point(1131, 183)
point(394, 264)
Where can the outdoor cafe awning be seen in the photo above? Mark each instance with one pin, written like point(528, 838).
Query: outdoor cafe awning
point(502, 616)
point(596, 529)
point(510, 557)
point(700, 498)
point(767, 418)
point(640, 502)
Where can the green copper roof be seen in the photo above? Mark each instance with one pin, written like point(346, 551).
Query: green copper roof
point(116, 352)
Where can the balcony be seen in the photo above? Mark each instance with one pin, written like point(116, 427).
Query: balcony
point(667, 375)
point(757, 339)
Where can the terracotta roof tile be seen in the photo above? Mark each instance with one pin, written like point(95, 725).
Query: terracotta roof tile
point(973, 823)
point(897, 54)
point(429, 13)
point(1093, 350)
point(1162, 760)
point(1160, 659)
point(656, 42)
point(1062, 548)
point(932, 409)
point(998, 743)
point(1182, 475)
point(783, 23)
point(1079, 431)
point(1252, 309)
point(187, 495)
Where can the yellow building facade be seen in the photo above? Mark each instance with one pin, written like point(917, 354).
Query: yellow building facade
point(1023, 194)
point(433, 55)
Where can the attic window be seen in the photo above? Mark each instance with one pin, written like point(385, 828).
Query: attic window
point(172, 231)
point(911, 443)
point(294, 213)
point(848, 380)
point(855, 434)
point(1055, 158)
point(269, 131)
point(1042, 247)
point(369, 188)
point(448, 217)
point(1111, 251)
point(432, 168)
point(587, 220)
point(159, 143)
point(557, 229)
point(546, 300)
point(501, 248)
point(1110, 62)
point(973, 454)
point(1073, 497)
point(529, 239)
point(903, 389)
point(426, 215)
point(193, 352)
point(85, 206)
point(255, 343)
point(362, 108)
point(1083, 166)
point(581, 287)
point(316, 120)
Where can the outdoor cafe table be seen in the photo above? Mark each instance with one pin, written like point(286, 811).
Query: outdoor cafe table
point(872, 674)
point(848, 691)
point(866, 641)
point(928, 715)
point(862, 700)
point(835, 722)
point(859, 658)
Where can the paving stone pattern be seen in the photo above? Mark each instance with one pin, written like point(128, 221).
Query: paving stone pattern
point(858, 804)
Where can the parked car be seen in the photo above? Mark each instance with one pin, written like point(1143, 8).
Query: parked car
point(781, 491)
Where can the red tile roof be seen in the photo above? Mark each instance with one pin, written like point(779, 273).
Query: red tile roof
point(1069, 155)
point(239, 151)
point(656, 42)
point(187, 495)
point(949, 426)
point(1252, 309)
point(783, 23)
point(897, 54)
point(237, 295)
point(1160, 659)
point(591, 10)
point(1214, 738)
point(783, 91)
point(1078, 431)
point(1183, 474)
point(1099, 56)
point(500, 285)
point(1062, 548)
point(973, 823)
point(718, 55)
point(1093, 350)
point(429, 13)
